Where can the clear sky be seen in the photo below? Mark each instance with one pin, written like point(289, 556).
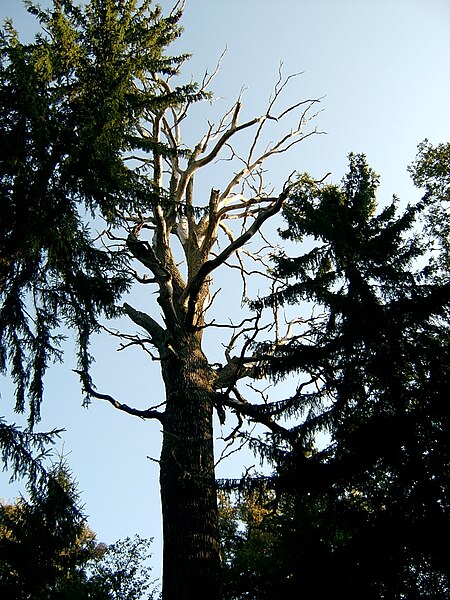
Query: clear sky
point(382, 70)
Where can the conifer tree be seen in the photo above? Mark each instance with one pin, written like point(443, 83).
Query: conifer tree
point(44, 541)
point(372, 362)
point(72, 102)
point(47, 549)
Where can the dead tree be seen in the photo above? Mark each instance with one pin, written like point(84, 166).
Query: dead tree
point(210, 234)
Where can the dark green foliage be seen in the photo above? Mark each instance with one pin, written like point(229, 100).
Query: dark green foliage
point(44, 541)
point(48, 551)
point(22, 452)
point(369, 512)
point(71, 106)
point(325, 545)
point(250, 558)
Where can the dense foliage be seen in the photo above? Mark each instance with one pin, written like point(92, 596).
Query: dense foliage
point(23, 452)
point(367, 515)
point(71, 105)
point(122, 571)
point(44, 540)
point(48, 551)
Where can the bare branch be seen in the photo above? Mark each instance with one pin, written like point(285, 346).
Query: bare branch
point(241, 267)
point(149, 413)
point(294, 136)
point(167, 280)
point(230, 441)
point(195, 164)
point(193, 288)
point(207, 79)
point(229, 325)
point(248, 410)
point(178, 7)
point(143, 320)
point(239, 425)
point(132, 340)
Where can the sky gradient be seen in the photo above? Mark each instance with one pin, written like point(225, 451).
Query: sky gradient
point(381, 70)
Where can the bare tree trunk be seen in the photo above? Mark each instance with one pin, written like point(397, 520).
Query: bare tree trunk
point(191, 555)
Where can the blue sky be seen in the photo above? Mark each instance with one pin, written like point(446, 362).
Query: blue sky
point(382, 70)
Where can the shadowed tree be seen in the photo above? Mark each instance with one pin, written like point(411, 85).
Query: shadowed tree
point(48, 551)
point(368, 508)
point(44, 541)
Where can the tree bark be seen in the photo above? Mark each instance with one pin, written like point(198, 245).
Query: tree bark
point(191, 553)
